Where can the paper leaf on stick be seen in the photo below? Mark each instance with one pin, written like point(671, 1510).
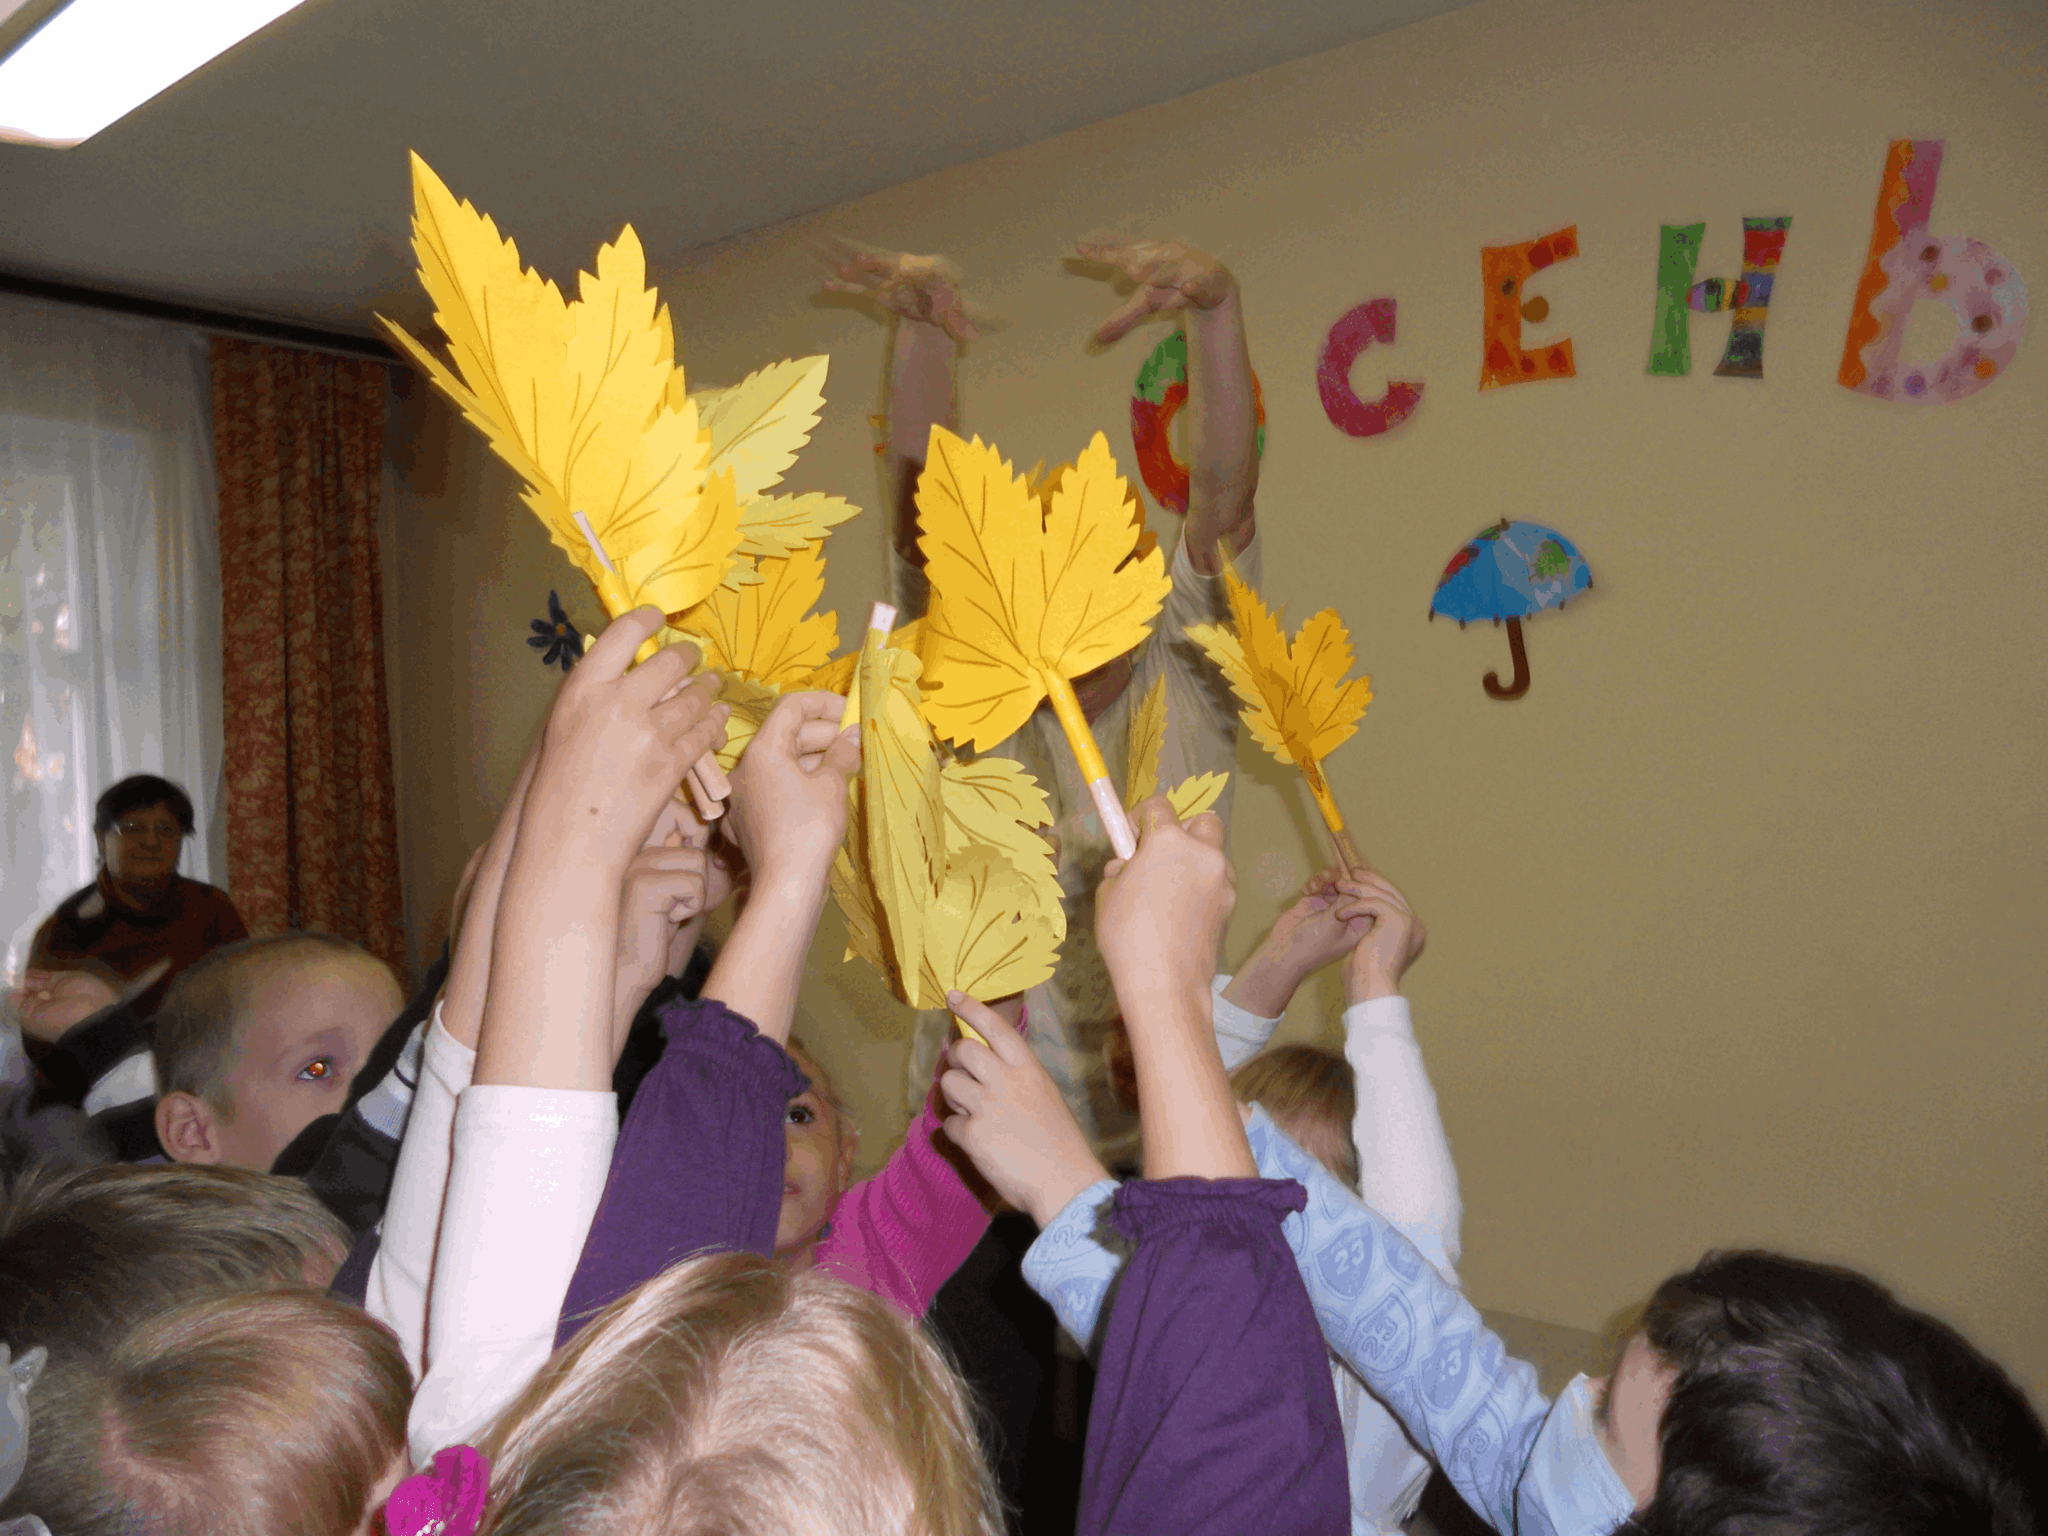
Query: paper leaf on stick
point(1191, 797)
point(1022, 591)
point(840, 674)
point(1147, 741)
point(765, 632)
point(1297, 702)
point(905, 826)
point(759, 425)
point(991, 931)
point(995, 803)
point(750, 704)
point(582, 399)
point(781, 525)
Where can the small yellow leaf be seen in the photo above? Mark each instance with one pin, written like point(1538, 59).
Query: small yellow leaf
point(765, 632)
point(993, 930)
point(758, 426)
point(780, 525)
point(1021, 591)
point(1297, 703)
point(1191, 797)
point(992, 802)
point(1147, 741)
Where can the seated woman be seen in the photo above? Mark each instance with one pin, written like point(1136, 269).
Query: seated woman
point(140, 914)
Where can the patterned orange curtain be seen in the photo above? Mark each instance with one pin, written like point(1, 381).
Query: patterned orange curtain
point(312, 827)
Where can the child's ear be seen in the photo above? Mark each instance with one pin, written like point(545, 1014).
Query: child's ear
point(185, 1125)
point(849, 1146)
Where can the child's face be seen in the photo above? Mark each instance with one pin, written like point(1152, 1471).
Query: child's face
point(1630, 1415)
point(820, 1163)
point(312, 1025)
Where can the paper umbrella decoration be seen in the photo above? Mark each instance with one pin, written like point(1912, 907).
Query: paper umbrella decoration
point(1508, 573)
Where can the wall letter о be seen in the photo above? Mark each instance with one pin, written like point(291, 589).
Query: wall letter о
point(1358, 329)
point(1504, 268)
point(1907, 264)
point(1763, 242)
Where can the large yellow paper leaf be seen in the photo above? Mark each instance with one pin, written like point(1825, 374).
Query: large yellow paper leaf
point(1022, 592)
point(779, 525)
point(758, 425)
point(1147, 741)
point(1297, 703)
point(1191, 797)
point(577, 398)
point(765, 632)
point(906, 841)
point(993, 930)
point(1044, 483)
point(992, 802)
point(853, 887)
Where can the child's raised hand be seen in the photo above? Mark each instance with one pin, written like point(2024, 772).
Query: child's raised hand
point(1391, 944)
point(1160, 915)
point(48, 1003)
point(676, 877)
point(924, 289)
point(1011, 1120)
point(1169, 276)
point(788, 807)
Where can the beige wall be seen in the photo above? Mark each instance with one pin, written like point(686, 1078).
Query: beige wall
point(1734, 919)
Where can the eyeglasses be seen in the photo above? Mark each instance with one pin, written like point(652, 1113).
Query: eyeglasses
point(157, 829)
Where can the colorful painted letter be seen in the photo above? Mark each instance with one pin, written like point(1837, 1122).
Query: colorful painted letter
point(1161, 390)
point(1358, 329)
point(1504, 269)
point(1763, 243)
point(1907, 264)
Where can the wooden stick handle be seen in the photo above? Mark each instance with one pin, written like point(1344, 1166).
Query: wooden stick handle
point(1347, 850)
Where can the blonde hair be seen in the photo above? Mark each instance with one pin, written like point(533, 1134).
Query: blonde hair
point(87, 1253)
point(238, 1415)
point(731, 1396)
point(1297, 1083)
point(204, 1015)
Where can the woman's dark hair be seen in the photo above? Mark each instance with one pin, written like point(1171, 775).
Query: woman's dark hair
point(138, 792)
point(1809, 1402)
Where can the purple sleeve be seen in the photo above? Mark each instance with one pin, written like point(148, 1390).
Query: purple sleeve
point(1214, 1410)
point(699, 1163)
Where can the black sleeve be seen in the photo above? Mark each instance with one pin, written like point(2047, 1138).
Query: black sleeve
point(88, 1050)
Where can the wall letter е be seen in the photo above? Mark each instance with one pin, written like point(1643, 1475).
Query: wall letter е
point(1906, 264)
point(1358, 329)
point(1504, 268)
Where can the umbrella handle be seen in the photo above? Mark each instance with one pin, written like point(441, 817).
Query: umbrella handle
point(1519, 684)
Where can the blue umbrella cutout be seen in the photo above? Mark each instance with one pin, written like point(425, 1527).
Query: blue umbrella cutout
point(1511, 571)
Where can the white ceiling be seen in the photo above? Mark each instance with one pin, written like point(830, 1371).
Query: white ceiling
point(273, 182)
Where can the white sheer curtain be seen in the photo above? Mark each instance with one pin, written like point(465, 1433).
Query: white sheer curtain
point(110, 624)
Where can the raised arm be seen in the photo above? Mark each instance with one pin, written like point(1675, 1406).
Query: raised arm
point(1306, 937)
point(931, 323)
point(1221, 416)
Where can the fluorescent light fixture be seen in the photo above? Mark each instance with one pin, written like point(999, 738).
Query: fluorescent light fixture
point(96, 61)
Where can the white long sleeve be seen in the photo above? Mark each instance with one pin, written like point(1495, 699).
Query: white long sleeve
point(1240, 1033)
point(403, 1270)
point(529, 1170)
point(1404, 1158)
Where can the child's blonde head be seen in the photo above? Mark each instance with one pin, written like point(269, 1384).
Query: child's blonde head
point(729, 1395)
point(1312, 1095)
point(236, 1415)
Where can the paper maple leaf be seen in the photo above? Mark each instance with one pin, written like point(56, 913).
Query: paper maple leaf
point(757, 428)
point(581, 400)
point(765, 632)
point(841, 675)
point(1188, 798)
point(1297, 703)
point(1022, 592)
point(942, 881)
point(1191, 797)
point(750, 704)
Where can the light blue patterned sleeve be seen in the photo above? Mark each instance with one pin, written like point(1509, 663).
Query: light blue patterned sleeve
point(1075, 1261)
point(1411, 1336)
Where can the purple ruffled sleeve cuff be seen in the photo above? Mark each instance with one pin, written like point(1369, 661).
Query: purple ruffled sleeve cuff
point(700, 1158)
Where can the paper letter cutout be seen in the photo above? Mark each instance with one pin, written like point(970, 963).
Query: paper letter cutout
point(1358, 329)
point(1905, 265)
point(1161, 390)
point(1504, 268)
point(1763, 243)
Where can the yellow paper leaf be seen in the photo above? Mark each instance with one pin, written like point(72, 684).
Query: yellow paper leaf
point(1297, 703)
point(765, 632)
point(992, 802)
point(750, 705)
point(1147, 741)
point(1021, 591)
point(1044, 483)
point(853, 888)
point(837, 675)
point(577, 398)
point(906, 845)
point(758, 426)
point(1191, 797)
point(994, 930)
point(779, 525)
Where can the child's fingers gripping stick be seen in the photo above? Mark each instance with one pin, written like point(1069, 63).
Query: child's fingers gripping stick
point(788, 810)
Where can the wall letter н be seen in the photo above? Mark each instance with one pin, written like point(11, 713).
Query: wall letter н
point(1763, 243)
